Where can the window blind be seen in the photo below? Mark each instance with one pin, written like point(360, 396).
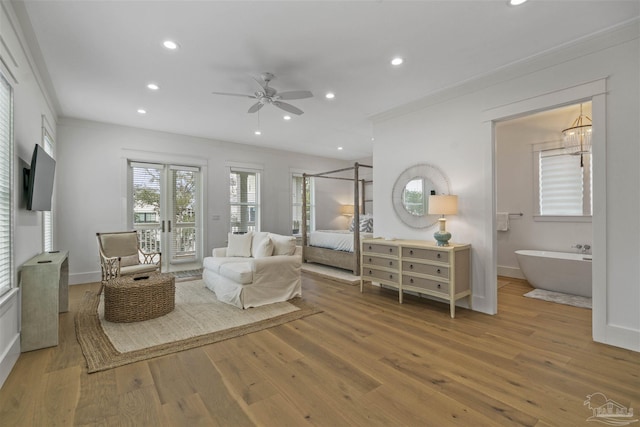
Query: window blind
point(244, 201)
point(296, 198)
point(47, 216)
point(561, 183)
point(6, 182)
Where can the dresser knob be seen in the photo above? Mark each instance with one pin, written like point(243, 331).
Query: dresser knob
point(438, 269)
point(410, 280)
point(369, 272)
point(439, 285)
point(411, 252)
point(438, 255)
point(391, 277)
point(390, 249)
point(410, 266)
point(391, 263)
point(369, 259)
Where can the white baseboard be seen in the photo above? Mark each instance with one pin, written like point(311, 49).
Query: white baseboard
point(81, 278)
point(9, 359)
point(512, 272)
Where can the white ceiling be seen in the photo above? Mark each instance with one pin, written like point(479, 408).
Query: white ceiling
point(101, 54)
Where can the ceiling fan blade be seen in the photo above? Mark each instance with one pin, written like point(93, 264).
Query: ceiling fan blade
point(234, 94)
point(288, 107)
point(295, 94)
point(255, 107)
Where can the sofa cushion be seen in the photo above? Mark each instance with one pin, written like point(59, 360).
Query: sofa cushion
point(239, 272)
point(239, 245)
point(214, 263)
point(264, 249)
point(283, 245)
point(258, 239)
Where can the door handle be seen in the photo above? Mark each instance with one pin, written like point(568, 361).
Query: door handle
point(169, 226)
point(162, 227)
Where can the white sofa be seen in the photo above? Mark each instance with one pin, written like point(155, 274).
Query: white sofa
point(254, 269)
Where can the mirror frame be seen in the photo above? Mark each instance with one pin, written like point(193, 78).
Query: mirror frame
point(425, 171)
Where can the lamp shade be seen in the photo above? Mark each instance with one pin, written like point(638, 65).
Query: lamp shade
point(346, 210)
point(443, 205)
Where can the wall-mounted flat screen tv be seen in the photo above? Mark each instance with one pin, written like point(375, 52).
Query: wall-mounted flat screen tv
point(39, 180)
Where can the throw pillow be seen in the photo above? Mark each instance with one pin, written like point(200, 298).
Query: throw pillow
point(239, 245)
point(128, 260)
point(283, 245)
point(264, 249)
point(366, 224)
point(352, 224)
point(258, 238)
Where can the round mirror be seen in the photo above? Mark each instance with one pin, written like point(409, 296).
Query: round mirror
point(411, 194)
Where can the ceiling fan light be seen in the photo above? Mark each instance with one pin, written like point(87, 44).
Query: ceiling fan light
point(258, 132)
point(287, 118)
point(142, 111)
point(153, 86)
point(397, 61)
point(330, 95)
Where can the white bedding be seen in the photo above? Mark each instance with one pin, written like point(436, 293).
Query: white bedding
point(340, 240)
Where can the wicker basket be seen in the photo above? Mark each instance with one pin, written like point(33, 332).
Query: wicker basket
point(140, 297)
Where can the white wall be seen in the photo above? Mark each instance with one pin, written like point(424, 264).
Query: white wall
point(91, 184)
point(515, 188)
point(30, 105)
point(450, 130)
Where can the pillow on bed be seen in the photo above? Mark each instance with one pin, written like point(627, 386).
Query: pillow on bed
point(263, 249)
point(239, 245)
point(283, 245)
point(352, 224)
point(366, 224)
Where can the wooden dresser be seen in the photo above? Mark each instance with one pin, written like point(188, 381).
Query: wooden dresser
point(418, 266)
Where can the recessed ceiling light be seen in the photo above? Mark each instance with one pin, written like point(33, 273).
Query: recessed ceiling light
point(516, 2)
point(287, 117)
point(397, 61)
point(330, 95)
point(258, 132)
point(170, 44)
point(153, 86)
point(339, 148)
point(142, 111)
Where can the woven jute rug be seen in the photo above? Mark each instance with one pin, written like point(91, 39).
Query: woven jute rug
point(198, 319)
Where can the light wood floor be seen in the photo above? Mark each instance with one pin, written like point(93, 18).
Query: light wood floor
point(364, 361)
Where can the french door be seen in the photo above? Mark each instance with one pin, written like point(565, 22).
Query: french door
point(165, 209)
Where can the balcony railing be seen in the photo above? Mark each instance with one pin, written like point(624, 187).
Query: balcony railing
point(183, 239)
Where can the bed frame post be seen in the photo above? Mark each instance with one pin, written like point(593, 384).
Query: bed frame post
point(356, 220)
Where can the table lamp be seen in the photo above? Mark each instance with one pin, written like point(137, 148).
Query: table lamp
point(443, 205)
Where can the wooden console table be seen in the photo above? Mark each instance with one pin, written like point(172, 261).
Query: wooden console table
point(418, 266)
point(44, 284)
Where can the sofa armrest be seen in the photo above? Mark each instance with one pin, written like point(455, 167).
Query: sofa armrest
point(219, 252)
point(276, 271)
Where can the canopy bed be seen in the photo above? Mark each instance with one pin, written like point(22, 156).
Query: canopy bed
point(337, 248)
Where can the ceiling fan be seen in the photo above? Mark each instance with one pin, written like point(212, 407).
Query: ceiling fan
point(269, 95)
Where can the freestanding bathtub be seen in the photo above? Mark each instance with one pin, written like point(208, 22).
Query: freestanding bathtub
point(568, 273)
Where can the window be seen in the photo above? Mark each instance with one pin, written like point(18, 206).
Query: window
point(6, 184)
point(47, 216)
point(296, 198)
point(244, 200)
point(564, 185)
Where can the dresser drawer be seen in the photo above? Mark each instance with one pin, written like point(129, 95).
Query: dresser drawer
point(380, 275)
point(427, 254)
point(426, 284)
point(371, 260)
point(380, 249)
point(431, 270)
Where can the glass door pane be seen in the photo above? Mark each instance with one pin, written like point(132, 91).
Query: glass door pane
point(184, 228)
point(147, 184)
